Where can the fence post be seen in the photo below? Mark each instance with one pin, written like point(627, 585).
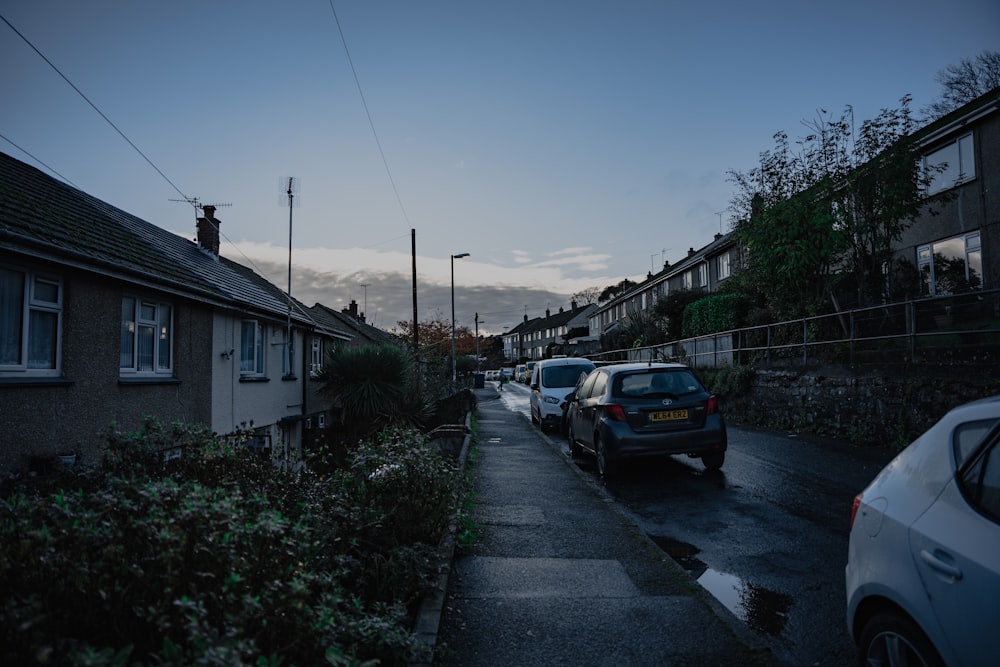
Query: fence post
point(850, 334)
point(805, 342)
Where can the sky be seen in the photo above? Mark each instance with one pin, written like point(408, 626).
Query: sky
point(563, 144)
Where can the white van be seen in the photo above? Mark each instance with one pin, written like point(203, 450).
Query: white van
point(551, 380)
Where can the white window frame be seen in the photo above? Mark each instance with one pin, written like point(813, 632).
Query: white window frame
point(972, 243)
point(723, 266)
point(960, 157)
point(146, 315)
point(252, 357)
point(31, 304)
point(316, 356)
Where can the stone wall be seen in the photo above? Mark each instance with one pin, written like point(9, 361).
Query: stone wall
point(872, 407)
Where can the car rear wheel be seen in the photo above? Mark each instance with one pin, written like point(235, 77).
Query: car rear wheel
point(892, 639)
point(714, 460)
point(574, 448)
point(605, 468)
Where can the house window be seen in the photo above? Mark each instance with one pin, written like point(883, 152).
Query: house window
point(952, 265)
point(723, 269)
point(251, 348)
point(954, 164)
point(30, 322)
point(316, 355)
point(146, 337)
point(686, 280)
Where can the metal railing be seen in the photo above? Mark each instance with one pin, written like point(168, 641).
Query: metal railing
point(955, 329)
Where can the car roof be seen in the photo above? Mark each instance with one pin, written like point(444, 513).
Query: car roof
point(568, 361)
point(642, 366)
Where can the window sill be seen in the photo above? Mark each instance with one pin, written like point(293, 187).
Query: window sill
point(254, 378)
point(37, 381)
point(148, 379)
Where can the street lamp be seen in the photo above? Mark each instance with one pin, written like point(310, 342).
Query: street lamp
point(477, 341)
point(454, 365)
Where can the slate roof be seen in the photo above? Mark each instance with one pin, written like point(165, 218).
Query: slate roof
point(343, 325)
point(48, 219)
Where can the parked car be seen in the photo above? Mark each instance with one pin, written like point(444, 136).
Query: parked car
point(551, 379)
point(519, 373)
point(923, 564)
point(529, 367)
point(645, 410)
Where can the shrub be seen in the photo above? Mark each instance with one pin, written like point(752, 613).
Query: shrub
point(220, 558)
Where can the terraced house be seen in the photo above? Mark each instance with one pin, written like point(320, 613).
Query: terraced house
point(953, 245)
point(106, 318)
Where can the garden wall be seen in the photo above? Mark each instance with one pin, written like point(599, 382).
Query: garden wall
point(879, 407)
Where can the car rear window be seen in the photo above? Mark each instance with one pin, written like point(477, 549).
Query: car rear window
point(657, 383)
point(967, 437)
point(564, 375)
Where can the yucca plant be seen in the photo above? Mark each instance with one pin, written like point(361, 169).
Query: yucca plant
point(371, 385)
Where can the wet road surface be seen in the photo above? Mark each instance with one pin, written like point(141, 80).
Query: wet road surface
point(766, 535)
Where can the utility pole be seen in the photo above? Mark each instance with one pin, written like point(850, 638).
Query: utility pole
point(290, 187)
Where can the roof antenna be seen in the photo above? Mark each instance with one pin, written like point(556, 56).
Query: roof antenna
point(198, 205)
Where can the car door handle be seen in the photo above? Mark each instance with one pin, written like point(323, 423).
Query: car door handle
point(939, 565)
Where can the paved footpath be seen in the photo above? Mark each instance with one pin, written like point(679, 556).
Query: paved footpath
point(560, 576)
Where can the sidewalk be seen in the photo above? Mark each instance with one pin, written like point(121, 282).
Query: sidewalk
point(560, 576)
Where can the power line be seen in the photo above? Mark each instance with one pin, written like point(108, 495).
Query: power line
point(93, 106)
point(371, 123)
point(38, 161)
point(136, 148)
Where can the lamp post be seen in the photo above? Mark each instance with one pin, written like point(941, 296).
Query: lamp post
point(454, 365)
point(477, 341)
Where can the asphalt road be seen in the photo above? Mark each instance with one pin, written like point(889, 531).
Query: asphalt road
point(767, 535)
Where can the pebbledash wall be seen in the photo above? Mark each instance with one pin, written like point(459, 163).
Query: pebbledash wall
point(871, 407)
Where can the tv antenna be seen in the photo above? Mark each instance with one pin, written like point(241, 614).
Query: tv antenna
point(196, 203)
point(719, 213)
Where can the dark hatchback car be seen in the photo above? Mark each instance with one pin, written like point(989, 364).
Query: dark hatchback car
point(645, 410)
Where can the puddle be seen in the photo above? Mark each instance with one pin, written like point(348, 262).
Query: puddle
point(763, 610)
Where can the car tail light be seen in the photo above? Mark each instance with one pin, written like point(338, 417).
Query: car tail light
point(854, 508)
point(713, 405)
point(615, 412)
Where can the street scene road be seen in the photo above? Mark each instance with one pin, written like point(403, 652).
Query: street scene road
point(767, 535)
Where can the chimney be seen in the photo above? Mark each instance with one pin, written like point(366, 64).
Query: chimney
point(690, 252)
point(572, 305)
point(352, 309)
point(546, 313)
point(208, 231)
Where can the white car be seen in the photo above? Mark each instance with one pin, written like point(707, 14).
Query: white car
point(923, 567)
point(551, 380)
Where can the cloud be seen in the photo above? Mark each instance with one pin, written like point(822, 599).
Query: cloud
point(500, 294)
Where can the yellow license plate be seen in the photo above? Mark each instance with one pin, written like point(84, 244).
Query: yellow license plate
point(668, 415)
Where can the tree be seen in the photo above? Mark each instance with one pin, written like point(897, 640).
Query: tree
point(435, 336)
point(830, 208)
point(587, 296)
point(612, 291)
point(964, 82)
